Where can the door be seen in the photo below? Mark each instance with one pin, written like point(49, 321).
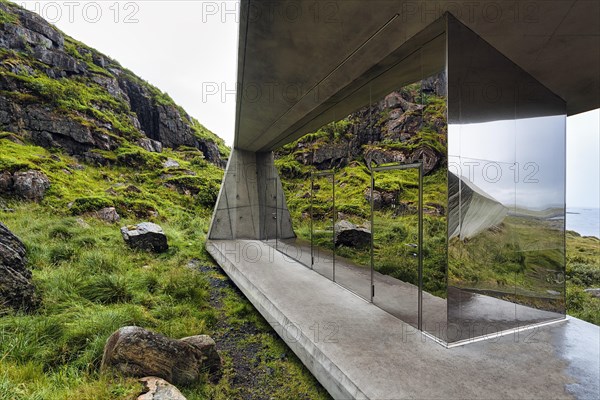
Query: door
point(322, 228)
point(397, 234)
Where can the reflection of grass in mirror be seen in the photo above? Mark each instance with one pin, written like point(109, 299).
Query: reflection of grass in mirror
point(395, 248)
point(520, 260)
point(394, 238)
point(498, 258)
point(352, 186)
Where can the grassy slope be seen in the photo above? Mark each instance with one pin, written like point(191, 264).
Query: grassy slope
point(91, 283)
point(79, 96)
point(583, 271)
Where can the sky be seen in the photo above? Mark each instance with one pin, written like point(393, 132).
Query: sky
point(508, 160)
point(189, 50)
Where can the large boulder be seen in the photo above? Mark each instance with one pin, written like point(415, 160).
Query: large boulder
point(28, 185)
point(137, 352)
point(108, 214)
point(159, 389)
point(145, 236)
point(348, 234)
point(16, 290)
point(381, 199)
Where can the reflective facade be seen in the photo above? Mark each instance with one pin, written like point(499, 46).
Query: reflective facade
point(506, 150)
point(460, 185)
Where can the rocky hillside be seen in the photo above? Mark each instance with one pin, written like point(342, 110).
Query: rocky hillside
point(106, 192)
point(407, 125)
point(59, 93)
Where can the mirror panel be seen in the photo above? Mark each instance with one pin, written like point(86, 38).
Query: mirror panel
point(323, 222)
point(540, 203)
point(505, 234)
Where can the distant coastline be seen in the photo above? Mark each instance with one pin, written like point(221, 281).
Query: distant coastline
point(585, 221)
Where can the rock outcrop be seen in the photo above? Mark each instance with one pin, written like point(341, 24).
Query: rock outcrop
point(108, 214)
point(145, 236)
point(16, 290)
point(348, 234)
point(27, 185)
point(381, 199)
point(396, 129)
point(137, 352)
point(59, 93)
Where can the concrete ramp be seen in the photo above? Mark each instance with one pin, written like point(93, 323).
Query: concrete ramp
point(358, 351)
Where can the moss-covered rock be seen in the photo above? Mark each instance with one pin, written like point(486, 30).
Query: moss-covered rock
point(60, 93)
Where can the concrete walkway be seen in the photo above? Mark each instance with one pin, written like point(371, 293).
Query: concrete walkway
point(479, 315)
point(357, 350)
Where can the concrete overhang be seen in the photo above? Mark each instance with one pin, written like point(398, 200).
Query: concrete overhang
point(299, 60)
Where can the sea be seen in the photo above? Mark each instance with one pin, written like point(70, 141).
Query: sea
point(585, 221)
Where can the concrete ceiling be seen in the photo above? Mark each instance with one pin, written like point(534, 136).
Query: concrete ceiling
point(297, 56)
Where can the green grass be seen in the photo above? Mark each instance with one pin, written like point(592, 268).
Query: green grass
point(91, 283)
point(583, 271)
point(8, 18)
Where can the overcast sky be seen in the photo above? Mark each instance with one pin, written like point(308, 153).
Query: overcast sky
point(189, 50)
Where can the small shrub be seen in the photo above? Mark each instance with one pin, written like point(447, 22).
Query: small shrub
point(204, 189)
point(12, 165)
point(62, 252)
point(89, 204)
point(99, 261)
point(108, 289)
point(138, 208)
point(185, 285)
point(138, 158)
point(60, 232)
point(584, 274)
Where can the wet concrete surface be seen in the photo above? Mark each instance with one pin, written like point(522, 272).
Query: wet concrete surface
point(357, 350)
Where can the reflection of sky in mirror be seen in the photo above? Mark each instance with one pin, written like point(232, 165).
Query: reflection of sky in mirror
point(520, 163)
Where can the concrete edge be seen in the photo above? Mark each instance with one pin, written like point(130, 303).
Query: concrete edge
point(220, 195)
point(327, 373)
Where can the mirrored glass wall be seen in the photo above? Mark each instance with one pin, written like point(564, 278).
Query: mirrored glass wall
point(467, 242)
point(366, 217)
point(506, 192)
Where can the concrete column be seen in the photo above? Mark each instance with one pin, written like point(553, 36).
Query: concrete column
point(251, 203)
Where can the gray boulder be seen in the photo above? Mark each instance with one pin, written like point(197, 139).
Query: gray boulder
point(150, 145)
point(159, 389)
point(108, 214)
point(29, 185)
point(16, 290)
point(137, 352)
point(145, 236)
point(348, 234)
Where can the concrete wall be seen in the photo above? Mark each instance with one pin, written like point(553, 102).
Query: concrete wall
point(251, 202)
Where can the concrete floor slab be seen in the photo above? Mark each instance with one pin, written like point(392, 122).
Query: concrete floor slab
point(357, 350)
